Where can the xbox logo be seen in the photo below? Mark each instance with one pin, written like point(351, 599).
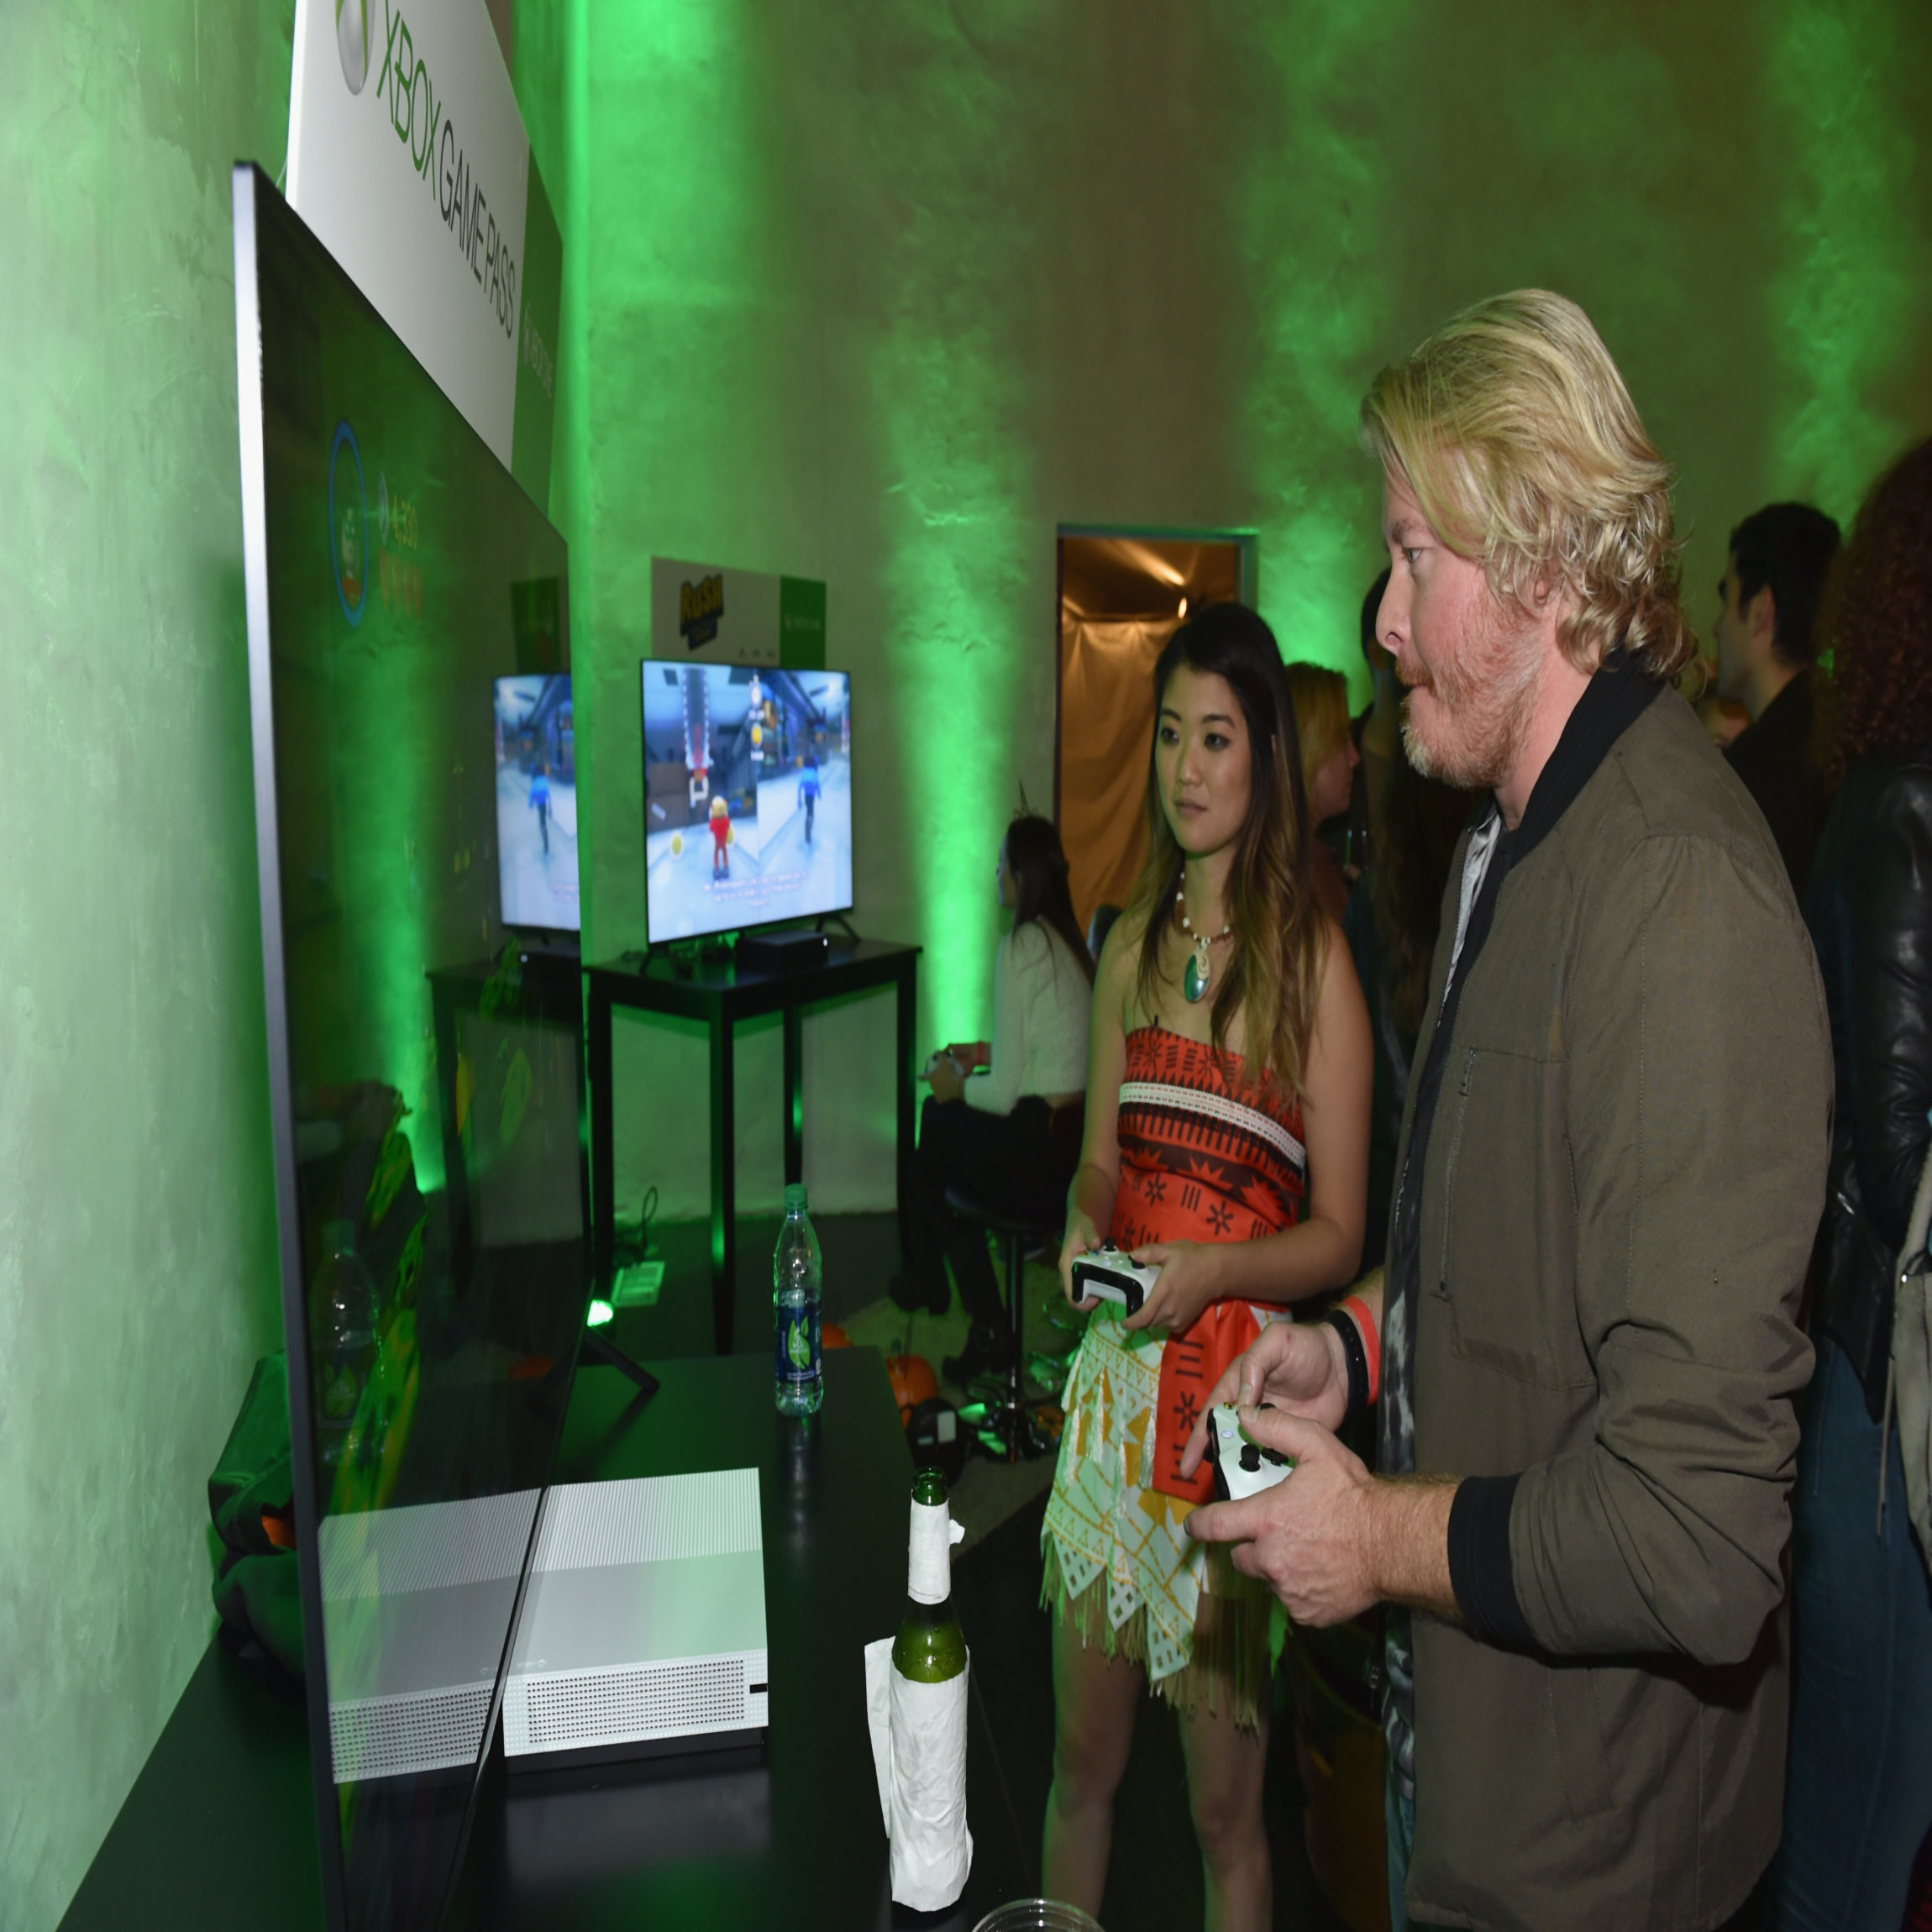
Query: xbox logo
point(352, 41)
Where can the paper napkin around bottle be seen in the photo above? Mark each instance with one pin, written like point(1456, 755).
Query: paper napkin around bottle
point(919, 1752)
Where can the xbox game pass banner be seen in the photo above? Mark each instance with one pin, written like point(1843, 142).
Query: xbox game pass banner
point(407, 156)
point(702, 613)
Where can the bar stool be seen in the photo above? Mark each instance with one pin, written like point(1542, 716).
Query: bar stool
point(1008, 1424)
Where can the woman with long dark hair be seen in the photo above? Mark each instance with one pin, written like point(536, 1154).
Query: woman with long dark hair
point(1858, 1798)
point(991, 1136)
point(1226, 1140)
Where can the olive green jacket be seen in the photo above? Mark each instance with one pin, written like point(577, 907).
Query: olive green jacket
point(1625, 1173)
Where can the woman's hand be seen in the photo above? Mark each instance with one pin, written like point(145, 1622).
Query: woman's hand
point(1189, 1280)
point(948, 1082)
point(1081, 1238)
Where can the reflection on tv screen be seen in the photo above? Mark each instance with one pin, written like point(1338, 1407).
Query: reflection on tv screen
point(409, 671)
point(536, 803)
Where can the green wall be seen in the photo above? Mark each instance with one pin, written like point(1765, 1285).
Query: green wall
point(881, 294)
point(137, 1250)
point(878, 294)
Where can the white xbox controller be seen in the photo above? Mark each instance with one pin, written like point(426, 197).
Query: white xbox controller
point(1242, 1467)
point(1107, 1274)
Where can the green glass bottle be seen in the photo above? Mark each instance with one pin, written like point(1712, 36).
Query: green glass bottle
point(930, 1648)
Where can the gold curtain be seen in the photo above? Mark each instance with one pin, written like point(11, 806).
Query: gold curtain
point(1106, 731)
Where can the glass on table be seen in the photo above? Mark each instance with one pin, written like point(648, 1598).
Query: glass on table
point(1036, 1915)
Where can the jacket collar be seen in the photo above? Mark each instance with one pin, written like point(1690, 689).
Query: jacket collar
point(1615, 697)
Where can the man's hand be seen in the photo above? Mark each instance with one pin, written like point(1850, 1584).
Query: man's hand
point(1186, 1285)
point(1298, 1366)
point(1307, 1538)
point(1329, 1540)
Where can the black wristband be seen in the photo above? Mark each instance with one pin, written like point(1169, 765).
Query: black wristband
point(1354, 1353)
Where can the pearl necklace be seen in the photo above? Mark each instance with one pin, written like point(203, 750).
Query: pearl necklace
point(1199, 974)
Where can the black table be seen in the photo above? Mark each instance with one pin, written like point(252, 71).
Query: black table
point(218, 1829)
point(721, 994)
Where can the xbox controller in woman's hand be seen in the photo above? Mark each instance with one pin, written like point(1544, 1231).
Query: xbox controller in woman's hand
point(1107, 1274)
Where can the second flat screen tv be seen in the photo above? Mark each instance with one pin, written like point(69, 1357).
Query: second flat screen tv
point(747, 796)
point(536, 803)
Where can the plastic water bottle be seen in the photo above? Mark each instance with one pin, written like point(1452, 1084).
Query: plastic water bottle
point(797, 1270)
point(342, 1337)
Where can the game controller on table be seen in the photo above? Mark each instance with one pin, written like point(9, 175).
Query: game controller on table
point(1109, 1275)
point(1242, 1467)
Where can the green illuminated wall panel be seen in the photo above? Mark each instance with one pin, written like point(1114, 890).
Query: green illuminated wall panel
point(1847, 298)
point(137, 1271)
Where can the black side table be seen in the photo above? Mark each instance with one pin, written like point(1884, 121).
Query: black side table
point(721, 995)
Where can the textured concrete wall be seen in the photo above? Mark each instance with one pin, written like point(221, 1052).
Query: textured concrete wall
point(882, 293)
point(137, 1255)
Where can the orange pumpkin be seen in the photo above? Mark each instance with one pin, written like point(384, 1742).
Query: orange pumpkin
point(913, 1382)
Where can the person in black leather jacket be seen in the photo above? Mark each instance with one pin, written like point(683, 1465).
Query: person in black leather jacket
point(1859, 1791)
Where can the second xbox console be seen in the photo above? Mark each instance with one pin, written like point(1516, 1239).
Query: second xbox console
point(783, 952)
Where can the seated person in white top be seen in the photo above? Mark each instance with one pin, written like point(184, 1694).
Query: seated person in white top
point(990, 1136)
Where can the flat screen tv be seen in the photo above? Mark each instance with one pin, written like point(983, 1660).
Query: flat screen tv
point(536, 803)
point(747, 796)
point(424, 1095)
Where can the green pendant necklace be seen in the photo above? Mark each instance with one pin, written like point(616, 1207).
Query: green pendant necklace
point(1199, 974)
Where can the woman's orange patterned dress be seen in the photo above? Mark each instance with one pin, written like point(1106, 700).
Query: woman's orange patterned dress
point(1200, 1161)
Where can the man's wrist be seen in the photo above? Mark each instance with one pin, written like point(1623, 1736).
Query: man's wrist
point(1348, 1324)
point(1337, 1358)
point(1405, 1542)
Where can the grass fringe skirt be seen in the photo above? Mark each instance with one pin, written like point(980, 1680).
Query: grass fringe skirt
point(1208, 1648)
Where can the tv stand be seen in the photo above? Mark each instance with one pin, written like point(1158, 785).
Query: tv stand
point(840, 919)
point(720, 997)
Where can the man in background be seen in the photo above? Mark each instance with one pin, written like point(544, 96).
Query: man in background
point(1779, 560)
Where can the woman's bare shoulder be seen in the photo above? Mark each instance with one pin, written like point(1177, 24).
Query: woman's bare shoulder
point(1120, 962)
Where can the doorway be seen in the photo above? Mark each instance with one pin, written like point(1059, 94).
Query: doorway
point(1122, 593)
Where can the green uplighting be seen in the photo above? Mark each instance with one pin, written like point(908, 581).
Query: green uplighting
point(1312, 209)
point(668, 290)
point(961, 617)
point(1846, 298)
point(601, 1312)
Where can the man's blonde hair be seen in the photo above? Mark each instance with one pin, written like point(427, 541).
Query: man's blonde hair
point(1513, 428)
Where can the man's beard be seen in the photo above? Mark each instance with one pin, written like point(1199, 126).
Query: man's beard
point(1483, 706)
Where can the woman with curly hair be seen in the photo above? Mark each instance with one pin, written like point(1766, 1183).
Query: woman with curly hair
point(1226, 1147)
point(1858, 1797)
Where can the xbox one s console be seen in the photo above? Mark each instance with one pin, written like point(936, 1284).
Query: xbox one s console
point(642, 1629)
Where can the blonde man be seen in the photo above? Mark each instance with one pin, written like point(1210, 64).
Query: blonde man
point(1606, 1187)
